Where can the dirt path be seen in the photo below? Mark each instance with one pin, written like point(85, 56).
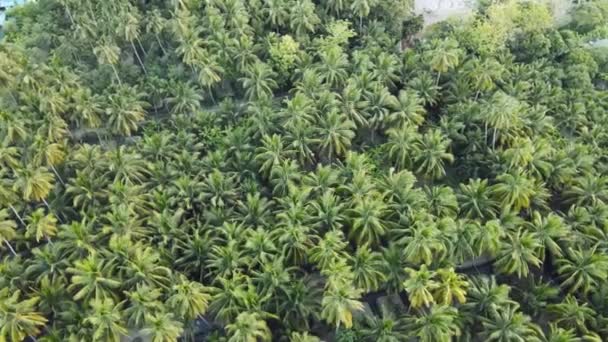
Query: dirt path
point(437, 10)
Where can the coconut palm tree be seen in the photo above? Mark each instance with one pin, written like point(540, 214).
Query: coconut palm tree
point(450, 286)
point(299, 110)
point(439, 323)
point(7, 230)
point(408, 109)
point(377, 104)
point(324, 179)
point(487, 239)
point(475, 199)
point(185, 98)
point(49, 262)
point(551, 230)
point(34, 183)
point(255, 211)
point(328, 249)
point(518, 252)
point(303, 337)
point(340, 301)
point(127, 168)
point(19, 318)
point(105, 320)
point(367, 269)
point(190, 47)
point(445, 57)
point(426, 88)
point(284, 176)
point(92, 279)
point(352, 104)
point(144, 267)
point(422, 243)
point(335, 134)
point(14, 128)
point(109, 54)
point(302, 17)
point(248, 327)
point(125, 110)
point(484, 73)
point(86, 193)
point(218, 189)
point(226, 259)
point(300, 139)
point(432, 153)
point(367, 219)
point(156, 24)
point(259, 81)
point(502, 114)
point(557, 334)
point(9, 156)
point(441, 201)
point(88, 108)
point(582, 269)
point(361, 8)
point(402, 146)
point(514, 190)
point(189, 299)
point(302, 302)
point(327, 213)
point(163, 327)
point(77, 239)
point(144, 301)
point(259, 246)
point(486, 297)
point(588, 190)
point(508, 324)
point(41, 225)
point(571, 314)
point(271, 153)
point(210, 72)
point(387, 327)
point(419, 286)
point(130, 31)
point(276, 12)
point(333, 66)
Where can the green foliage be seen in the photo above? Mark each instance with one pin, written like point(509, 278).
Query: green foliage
point(283, 53)
point(287, 169)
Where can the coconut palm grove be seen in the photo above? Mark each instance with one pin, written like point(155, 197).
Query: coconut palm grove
point(303, 171)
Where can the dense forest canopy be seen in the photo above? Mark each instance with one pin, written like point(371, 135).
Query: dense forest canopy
point(298, 170)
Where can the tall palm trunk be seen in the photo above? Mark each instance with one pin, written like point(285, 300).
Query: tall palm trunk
point(160, 44)
point(17, 214)
point(8, 244)
point(211, 95)
point(47, 205)
point(486, 133)
point(138, 58)
point(12, 96)
point(51, 210)
point(99, 138)
point(116, 74)
point(57, 174)
point(67, 10)
point(141, 46)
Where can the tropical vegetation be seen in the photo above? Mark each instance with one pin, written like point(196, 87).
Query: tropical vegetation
point(297, 170)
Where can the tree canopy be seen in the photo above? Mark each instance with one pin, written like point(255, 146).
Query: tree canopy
point(297, 170)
